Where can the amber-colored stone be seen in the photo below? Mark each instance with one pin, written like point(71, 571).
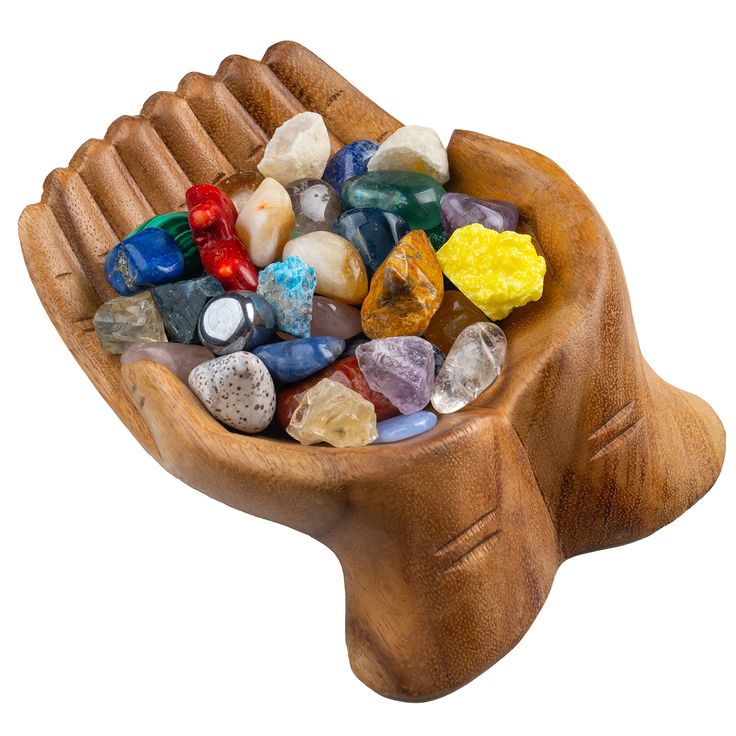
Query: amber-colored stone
point(455, 313)
point(405, 291)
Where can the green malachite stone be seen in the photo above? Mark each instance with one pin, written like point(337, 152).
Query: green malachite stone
point(176, 224)
point(408, 194)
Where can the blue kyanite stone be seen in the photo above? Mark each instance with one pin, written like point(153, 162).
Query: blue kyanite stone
point(143, 260)
point(373, 232)
point(296, 359)
point(349, 161)
point(404, 426)
point(181, 303)
point(289, 287)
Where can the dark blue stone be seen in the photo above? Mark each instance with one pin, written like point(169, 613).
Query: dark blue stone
point(293, 360)
point(352, 344)
point(349, 161)
point(181, 303)
point(143, 260)
point(373, 232)
point(403, 427)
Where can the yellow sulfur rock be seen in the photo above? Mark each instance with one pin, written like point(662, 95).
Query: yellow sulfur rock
point(496, 271)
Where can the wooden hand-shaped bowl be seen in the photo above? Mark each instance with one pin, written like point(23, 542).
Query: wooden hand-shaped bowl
point(449, 542)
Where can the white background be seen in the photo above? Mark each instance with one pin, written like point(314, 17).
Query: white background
point(131, 604)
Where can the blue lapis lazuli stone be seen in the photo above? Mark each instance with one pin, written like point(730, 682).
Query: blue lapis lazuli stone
point(294, 360)
point(373, 232)
point(349, 161)
point(404, 426)
point(146, 259)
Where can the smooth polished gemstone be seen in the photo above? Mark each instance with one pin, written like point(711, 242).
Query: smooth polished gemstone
point(299, 148)
point(126, 320)
point(237, 390)
point(330, 412)
point(496, 271)
point(176, 224)
point(412, 196)
point(334, 319)
point(439, 358)
point(373, 232)
point(437, 237)
point(455, 313)
point(349, 161)
point(345, 371)
point(181, 303)
point(265, 222)
point(240, 186)
point(339, 269)
point(143, 260)
point(459, 210)
point(404, 426)
point(401, 368)
point(473, 364)
point(289, 287)
point(294, 360)
point(413, 148)
point(352, 345)
point(178, 358)
point(315, 203)
point(236, 320)
point(405, 291)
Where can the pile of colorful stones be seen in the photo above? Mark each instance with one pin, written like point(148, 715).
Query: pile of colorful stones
point(335, 299)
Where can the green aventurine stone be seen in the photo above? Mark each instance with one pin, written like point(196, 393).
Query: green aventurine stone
point(409, 194)
point(176, 224)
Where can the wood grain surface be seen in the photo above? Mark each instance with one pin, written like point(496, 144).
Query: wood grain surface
point(449, 542)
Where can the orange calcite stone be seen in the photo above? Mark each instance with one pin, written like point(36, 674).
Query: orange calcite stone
point(455, 313)
point(405, 291)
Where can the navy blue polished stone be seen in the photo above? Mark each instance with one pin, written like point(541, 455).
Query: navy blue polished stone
point(349, 161)
point(352, 344)
point(404, 426)
point(373, 232)
point(181, 303)
point(143, 260)
point(293, 360)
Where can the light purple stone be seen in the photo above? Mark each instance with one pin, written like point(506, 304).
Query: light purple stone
point(401, 368)
point(180, 358)
point(459, 210)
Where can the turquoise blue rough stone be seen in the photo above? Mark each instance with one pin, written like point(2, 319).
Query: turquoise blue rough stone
point(349, 161)
point(404, 426)
point(289, 287)
point(180, 304)
point(148, 258)
point(293, 360)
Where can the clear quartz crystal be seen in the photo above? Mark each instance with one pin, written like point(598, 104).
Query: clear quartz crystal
point(472, 365)
point(127, 320)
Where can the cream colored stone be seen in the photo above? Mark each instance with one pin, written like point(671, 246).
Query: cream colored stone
point(299, 148)
point(413, 148)
point(266, 222)
point(340, 270)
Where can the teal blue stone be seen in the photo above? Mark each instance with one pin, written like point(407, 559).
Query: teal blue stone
point(288, 286)
point(294, 360)
point(404, 426)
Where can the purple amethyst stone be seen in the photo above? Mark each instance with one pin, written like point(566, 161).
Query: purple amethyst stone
point(459, 210)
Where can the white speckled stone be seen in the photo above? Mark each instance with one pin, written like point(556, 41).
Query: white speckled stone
point(299, 149)
point(413, 148)
point(237, 390)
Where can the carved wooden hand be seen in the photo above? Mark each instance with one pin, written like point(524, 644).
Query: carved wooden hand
point(449, 542)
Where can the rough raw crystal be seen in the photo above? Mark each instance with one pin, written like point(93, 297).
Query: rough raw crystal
point(265, 222)
point(126, 320)
point(330, 412)
point(315, 203)
point(339, 268)
point(455, 313)
point(401, 368)
point(473, 364)
point(240, 186)
point(413, 148)
point(178, 358)
point(176, 224)
point(237, 390)
point(459, 210)
point(299, 148)
point(294, 360)
point(496, 271)
point(373, 232)
point(405, 291)
point(289, 287)
point(143, 260)
point(403, 427)
point(236, 320)
point(349, 161)
point(181, 303)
